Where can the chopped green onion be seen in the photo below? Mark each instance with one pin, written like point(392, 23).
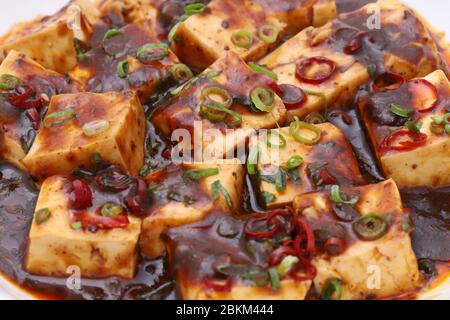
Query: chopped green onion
point(280, 181)
point(42, 215)
point(216, 188)
point(320, 95)
point(152, 51)
point(181, 72)
point(76, 225)
point(175, 196)
point(215, 103)
point(294, 162)
point(339, 198)
point(447, 128)
point(261, 69)
point(184, 86)
point(268, 33)
point(333, 286)
point(286, 264)
point(79, 50)
point(413, 126)
point(173, 33)
point(198, 174)
point(370, 227)
point(216, 95)
point(437, 128)
point(438, 120)
point(111, 33)
point(297, 125)
point(242, 39)
point(281, 138)
point(262, 99)
point(111, 210)
point(315, 118)
point(8, 82)
point(399, 111)
point(268, 197)
point(122, 69)
point(446, 118)
point(194, 8)
point(274, 278)
point(252, 160)
point(212, 74)
point(59, 117)
point(95, 128)
point(217, 113)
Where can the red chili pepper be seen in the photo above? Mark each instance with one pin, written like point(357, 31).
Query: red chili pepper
point(304, 65)
point(270, 219)
point(274, 86)
point(424, 95)
point(334, 246)
point(218, 286)
point(326, 177)
point(167, 153)
point(387, 81)
point(35, 117)
point(82, 195)
point(354, 44)
point(417, 139)
point(19, 97)
point(310, 271)
point(293, 97)
point(113, 179)
point(304, 226)
point(103, 222)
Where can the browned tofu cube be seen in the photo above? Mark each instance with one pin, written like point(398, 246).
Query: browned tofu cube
point(235, 82)
point(78, 125)
point(412, 159)
point(181, 200)
point(21, 118)
point(58, 241)
point(241, 26)
point(330, 161)
point(374, 258)
point(50, 40)
point(330, 63)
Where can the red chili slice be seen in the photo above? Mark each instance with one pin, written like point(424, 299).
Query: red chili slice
point(272, 232)
point(20, 97)
point(35, 117)
point(424, 95)
point(387, 81)
point(293, 97)
point(218, 286)
point(354, 45)
point(310, 271)
point(326, 177)
point(304, 66)
point(309, 237)
point(416, 139)
point(82, 195)
point(103, 222)
point(274, 86)
point(334, 246)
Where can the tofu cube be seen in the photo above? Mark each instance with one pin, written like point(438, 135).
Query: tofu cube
point(54, 245)
point(381, 268)
point(352, 56)
point(217, 138)
point(50, 40)
point(427, 164)
point(332, 159)
point(98, 71)
point(79, 125)
point(194, 251)
point(19, 128)
point(180, 201)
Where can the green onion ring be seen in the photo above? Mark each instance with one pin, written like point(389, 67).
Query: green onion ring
point(59, 117)
point(268, 33)
point(8, 82)
point(413, 126)
point(294, 162)
point(274, 278)
point(315, 118)
point(370, 227)
point(280, 137)
point(261, 69)
point(173, 33)
point(242, 39)
point(400, 111)
point(111, 33)
point(296, 125)
point(122, 69)
point(95, 128)
point(194, 8)
point(111, 210)
point(152, 51)
point(198, 174)
point(252, 160)
point(334, 285)
point(181, 72)
point(338, 198)
point(262, 99)
point(286, 264)
point(42, 215)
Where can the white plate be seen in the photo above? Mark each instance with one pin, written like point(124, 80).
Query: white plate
point(436, 11)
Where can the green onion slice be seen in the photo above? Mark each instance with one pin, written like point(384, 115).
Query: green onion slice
point(59, 117)
point(242, 39)
point(413, 126)
point(294, 162)
point(370, 227)
point(198, 174)
point(399, 111)
point(268, 197)
point(447, 128)
point(315, 118)
point(339, 198)
point(298, 125)
point(286, 264)
point(76, 225)
point(194, 8)
point(216, 188)
point(111, 210)
point(152, 51)
point(261, 69)
point(95, 128)
point(280, 181)
point(111, 33)
point(268, 33)
point(274, 278)
point(8, 82)
point(333, 286)
point(173, 33)
point(252, 160)
point(281, 139)
point(181, 72)
point(122, 69)
point(42, 215)
point(262, 99)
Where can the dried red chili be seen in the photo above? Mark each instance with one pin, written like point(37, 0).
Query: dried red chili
point(293, 97)
point(416, 139)
point(82, 195)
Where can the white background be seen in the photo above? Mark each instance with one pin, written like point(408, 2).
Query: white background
point(436, 11)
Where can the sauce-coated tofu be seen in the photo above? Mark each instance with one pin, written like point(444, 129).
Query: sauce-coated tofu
point(183, 111)
point(79, 125)
point(21, 124)
point(54, 245)
point(50, 40)
point(427, 163)
point(205, 37)
point(348, 45)
point(383, 267)
point(180, 200)
point(330, 161)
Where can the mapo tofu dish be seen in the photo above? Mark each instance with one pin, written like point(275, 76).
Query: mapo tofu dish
point(225, 149)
